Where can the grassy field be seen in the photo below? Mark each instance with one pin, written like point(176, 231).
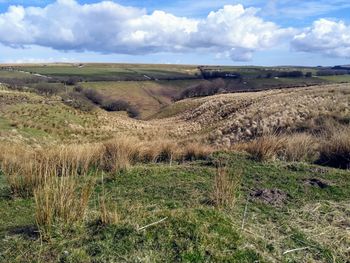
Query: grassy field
point(238, 177)
point(122, 71)
point(337, 79)
point(14, 74)
point(194, 229)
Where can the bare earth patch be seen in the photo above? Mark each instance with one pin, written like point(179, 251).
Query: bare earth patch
point(316, 183)
point(270, 196)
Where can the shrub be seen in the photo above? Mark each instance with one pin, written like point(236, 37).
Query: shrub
point(78, 88)
point(47, 89)
point(78, 101)
point(308, 75)
point(94, 96)
point(115, 105)
point(133, 112)
point(72, 81)
point(204, 88)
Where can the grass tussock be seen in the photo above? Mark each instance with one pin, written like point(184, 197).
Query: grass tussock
point(106, 214)
point(335, 150)
point(299, 147)
point(118, 154)
point(196, 151)
point(26, 168)
point(265, 148)
point(62, 200)
point(225, 187)
point(331, 148)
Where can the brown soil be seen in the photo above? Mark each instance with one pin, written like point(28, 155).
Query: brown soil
point(316, 183)
point(270, 196)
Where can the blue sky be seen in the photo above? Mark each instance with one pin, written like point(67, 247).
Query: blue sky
point(253, 32)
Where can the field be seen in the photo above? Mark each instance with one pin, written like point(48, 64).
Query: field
point(116, 71)
point(253, 175)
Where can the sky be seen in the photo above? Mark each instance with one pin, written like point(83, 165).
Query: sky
point(220, 32)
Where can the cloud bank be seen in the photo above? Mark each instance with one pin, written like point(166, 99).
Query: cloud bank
point(327, 37)
point(108, 27)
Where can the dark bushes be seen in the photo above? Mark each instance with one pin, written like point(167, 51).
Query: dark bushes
point(93, 96)
point(85, 98)
point(115, 105)
point(120, 105)
point(78, 101)
point(47, 89)
point(72, 81)
point(205, 88)
point(332, 72)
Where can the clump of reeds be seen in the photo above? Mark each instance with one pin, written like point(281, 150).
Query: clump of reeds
point(265, 148)
point(106, 214)
point(225, 187)
point(118, 154)
point(335, 149)
point(299, 147)
point(26, 168)
point(62, 200)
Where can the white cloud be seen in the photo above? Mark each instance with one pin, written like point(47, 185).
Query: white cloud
point(327, 37)
point(108, 27)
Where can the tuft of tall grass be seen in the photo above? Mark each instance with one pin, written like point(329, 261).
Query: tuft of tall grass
point(62, 200)
point(107, 215)
point(265, 148)
point(299, 147)
point(25, 168)
point(118, 154)
point(196, 151)
point(225, 187)
point(335, 150)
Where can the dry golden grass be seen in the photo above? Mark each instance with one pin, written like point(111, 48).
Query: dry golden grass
point(331, 148)
point(225, 187)
point(299, 147)
point(27, 168)
point(106, 214)
point(62, 200)
point(118, 154)
point(335, 149)
point(265, 148)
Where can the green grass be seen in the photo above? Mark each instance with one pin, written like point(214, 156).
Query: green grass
point(4, 124)
point(14, 74)
point(194, 231)
point(129, 71)
point(336, 79)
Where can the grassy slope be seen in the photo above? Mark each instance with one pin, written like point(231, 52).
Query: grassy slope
point(337, 79)
point(13, 74)
point(194, 230)
point(148, 96)
point(122, 70)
